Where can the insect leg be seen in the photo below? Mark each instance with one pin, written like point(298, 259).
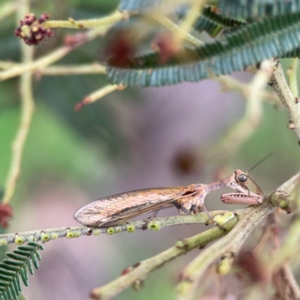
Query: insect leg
point(154, 214)
point(148, 220)
point(207, 212)
point(177, 205)
point(242, 198)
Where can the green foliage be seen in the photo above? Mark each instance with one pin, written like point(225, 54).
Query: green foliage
point(249, 45)
point(269, 29)
point(14, 269)
point(137, 6)
point(213, 23)
point(257, 8)
point(231, 8)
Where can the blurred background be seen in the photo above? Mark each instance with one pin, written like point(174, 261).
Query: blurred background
point(132, 139)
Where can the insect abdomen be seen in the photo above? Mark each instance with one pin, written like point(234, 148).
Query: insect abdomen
point(124, 206)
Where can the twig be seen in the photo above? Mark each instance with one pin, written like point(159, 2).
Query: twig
point(9, 8)
point(292, 73)
point(56, 54)
point(285, 284)
point(191, 18)
point(77, 231)
point(4, 65)
point(91, 98)
point(266, 234)
point(291, 281)
point(231, 84)
point(248, 124)
point(56, 70)
point(81, 24)
point(279, 84)
point(248, 220)
point(285, 190)
point(290, 247)
point(145, 267)
point(39, 63)
point(94, 68)
point(166, 22)
point(26, 116)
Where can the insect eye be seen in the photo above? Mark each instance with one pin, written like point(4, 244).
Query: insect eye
point(242, 178)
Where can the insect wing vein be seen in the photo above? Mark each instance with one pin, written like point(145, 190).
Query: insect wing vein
point(125, 205)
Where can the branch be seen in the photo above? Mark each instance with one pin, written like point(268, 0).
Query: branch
point(81, 24)
point(77, 231)
point(170, 25)
point(252, 118)
point(279, 84)
point(57, 54)
point(292, 74)
point(100, 93)
point(141, 270)
point(26, 117)
point(248, 220)
point(191, 17)
point(230, 84)
point(9, 8)
point(94, 68)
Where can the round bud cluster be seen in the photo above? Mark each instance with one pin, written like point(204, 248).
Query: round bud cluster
point(31, 29)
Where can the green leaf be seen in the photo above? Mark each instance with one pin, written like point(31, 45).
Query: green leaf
point(257, 8)
point(35, 261)
point(135, 6)
point(292, 54)
point(21, 252)
point(18, 281)
point(9, 293)
point(228, 8)
point(25, 249)
point(8, 267)
point(5, 278)
point(211, 22)
point(6, 272)
point(38, 256)
point(36, 246)
point(13, 291)
point(16, 257)
point(16, 285)
point(24, 275)
point(12, 262)
point(247, 46)
point(15, 268)
point(30, 266)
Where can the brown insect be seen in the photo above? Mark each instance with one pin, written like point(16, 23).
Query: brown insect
point(118, 208)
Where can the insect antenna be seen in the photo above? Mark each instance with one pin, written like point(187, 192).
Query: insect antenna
point(256, 185)
point(269, 155)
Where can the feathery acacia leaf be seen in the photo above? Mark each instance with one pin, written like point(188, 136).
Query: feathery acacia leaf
point(141, 6)
point(211, 22)
point(252, 43)
point(257, 8)
point(15, 268)
point(228, 8)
